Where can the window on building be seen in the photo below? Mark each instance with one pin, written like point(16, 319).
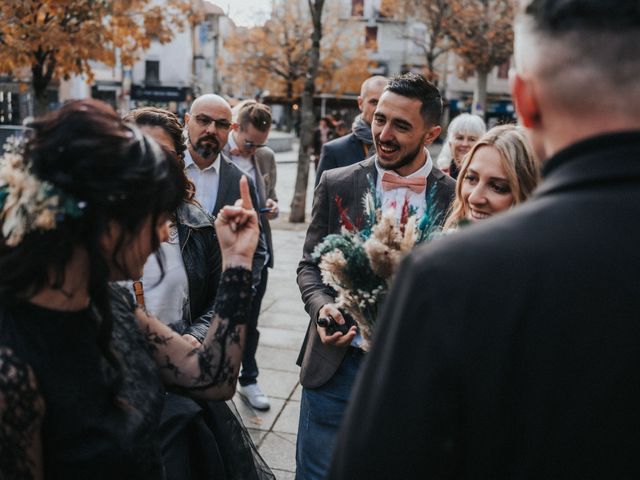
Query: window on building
point(152, 72)
point(503, 70)
point(357, 8)
point(371, 38)
point(9, 110)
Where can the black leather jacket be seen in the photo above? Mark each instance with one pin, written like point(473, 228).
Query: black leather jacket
point(203, 264)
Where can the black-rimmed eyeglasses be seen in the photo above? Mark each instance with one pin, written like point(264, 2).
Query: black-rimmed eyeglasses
point(219, 123)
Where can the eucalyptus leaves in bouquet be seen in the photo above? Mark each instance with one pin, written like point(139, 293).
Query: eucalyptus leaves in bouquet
point(359, 264)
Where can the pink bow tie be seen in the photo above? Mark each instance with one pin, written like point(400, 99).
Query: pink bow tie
point(415, 184)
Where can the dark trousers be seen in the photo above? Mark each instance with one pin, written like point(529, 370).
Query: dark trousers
point(249, 373)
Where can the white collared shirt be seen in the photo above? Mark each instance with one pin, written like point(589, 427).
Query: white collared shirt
point(243, 163)
point(206, 181)
point(395, 198)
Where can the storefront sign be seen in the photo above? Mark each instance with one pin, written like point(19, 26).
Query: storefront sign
point(159, 94)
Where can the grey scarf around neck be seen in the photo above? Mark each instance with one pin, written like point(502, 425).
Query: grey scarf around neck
point(362, 130)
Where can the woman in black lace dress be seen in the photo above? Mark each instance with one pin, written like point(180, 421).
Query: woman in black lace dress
point(82, 370)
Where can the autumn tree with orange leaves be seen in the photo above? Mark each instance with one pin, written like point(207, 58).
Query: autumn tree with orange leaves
point(276, 56)
point(56, 39)
point(482, 34)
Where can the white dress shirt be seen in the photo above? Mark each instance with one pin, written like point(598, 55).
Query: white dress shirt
point(243, 163)
point(206, 181)
point(395, 197)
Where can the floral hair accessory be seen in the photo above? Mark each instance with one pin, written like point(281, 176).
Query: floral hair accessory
point(27, 203)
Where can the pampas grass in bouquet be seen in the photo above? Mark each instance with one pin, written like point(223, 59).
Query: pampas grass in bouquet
point(360, 263)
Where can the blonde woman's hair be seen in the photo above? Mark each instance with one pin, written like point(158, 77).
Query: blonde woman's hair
point(517, 160)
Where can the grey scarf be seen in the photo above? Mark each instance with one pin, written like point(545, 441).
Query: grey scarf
point(362, 130)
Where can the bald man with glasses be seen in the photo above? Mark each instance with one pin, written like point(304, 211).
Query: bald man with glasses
point(216, 178)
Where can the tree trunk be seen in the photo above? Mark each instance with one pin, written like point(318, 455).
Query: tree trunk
point(41, 105)
point(480, 94)
point(432, 75)
point(298, 204)
point(288, 109)
point(41, 75)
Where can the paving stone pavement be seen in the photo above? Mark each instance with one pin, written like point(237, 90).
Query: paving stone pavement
point(282, 326)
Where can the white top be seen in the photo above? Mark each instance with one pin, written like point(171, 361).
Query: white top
point(169, 299)
point(243, 163)
point(395, 198)
point(206, 181)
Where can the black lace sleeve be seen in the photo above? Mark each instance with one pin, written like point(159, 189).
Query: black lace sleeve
point(211, 370)
point(21, 412)
point(220, 355)
point(233, 302)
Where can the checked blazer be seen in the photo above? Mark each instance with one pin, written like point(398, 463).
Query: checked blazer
point(318, 361)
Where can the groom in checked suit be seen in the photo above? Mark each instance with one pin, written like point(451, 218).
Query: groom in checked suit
point(406, 120)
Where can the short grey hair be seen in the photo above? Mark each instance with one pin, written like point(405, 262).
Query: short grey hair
point(463, 123)
point(466, 123)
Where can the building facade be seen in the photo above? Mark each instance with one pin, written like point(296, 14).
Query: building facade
point(167, 75)
point(392, 50)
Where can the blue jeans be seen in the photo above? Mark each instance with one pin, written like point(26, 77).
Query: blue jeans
point(321, 412)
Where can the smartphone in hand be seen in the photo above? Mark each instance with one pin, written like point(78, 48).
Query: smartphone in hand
point(330, 324)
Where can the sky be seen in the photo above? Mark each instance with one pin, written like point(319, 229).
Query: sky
point(246, 12)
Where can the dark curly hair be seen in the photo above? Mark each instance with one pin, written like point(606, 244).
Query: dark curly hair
point(86, 150)
point(167, 121)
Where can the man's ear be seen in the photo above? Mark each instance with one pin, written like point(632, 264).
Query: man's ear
point(187, 117)
point(525, 100)
point(360, 102)
point(432, 134)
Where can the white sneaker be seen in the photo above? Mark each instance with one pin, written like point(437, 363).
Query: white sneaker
point(254, 396)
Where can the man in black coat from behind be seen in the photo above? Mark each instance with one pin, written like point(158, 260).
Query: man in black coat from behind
point(511, 349)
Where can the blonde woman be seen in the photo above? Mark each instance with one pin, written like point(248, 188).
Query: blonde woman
point(499, 172)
